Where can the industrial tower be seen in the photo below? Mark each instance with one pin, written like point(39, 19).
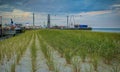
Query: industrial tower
point(48, 22)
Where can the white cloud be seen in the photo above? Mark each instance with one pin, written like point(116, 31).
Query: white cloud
point(16, 13)
point(93, 13)
point(6, 6)
point(116, 5)
point(116, 9)
point(93, 19)
point(20, 12)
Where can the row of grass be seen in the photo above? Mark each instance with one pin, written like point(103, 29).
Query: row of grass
point(14, 48)
point(86, 44)
point(47, 53)
point(33, 54)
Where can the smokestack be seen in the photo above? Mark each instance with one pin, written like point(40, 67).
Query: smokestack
point(1, 26)
point(33, 20)
point(48, 22)
point(67, 21)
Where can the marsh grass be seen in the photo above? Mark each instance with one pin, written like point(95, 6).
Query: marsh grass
point(69, 43)
point(115, 68)
point(13, 67)
point(33, 55)
point(76, 64)
point(14, 46)
point(95, 60)
point(85, 44)
point(48, 55)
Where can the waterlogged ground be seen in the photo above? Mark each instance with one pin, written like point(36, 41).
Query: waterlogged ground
point(52, 62)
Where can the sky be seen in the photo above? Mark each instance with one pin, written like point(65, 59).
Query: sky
point(95, 13)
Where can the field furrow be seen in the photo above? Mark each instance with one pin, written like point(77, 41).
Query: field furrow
point(25, 64)
point(40, 59)
point(59, 63)
point(85, 51)
point(11, 51)
point(7, 64)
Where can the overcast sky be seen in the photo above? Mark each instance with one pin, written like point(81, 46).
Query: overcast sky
point(95, 13)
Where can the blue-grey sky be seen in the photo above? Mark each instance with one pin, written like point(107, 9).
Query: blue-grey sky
point(96, 13)
point(72, 6)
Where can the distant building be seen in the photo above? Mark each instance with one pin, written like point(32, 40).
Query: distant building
point(58, 27)
point(80, 26)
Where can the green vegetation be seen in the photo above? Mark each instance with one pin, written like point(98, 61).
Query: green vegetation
point(47, 52)
point(33, 55)
point(76, 46)
point(14, 46)
point(96, 45)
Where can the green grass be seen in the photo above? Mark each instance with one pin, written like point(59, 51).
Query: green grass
point(33, 55)
point(47, 53)
point(84, 43)
point(15, 46)
point(69, 43)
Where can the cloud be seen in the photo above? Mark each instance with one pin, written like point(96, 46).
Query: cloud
point(58, 6)
point(16, 13)
point(115, 7)
point(93, 13)
point(6, 8)
point(93, 19)
point(12, 2)
point(10, 5)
